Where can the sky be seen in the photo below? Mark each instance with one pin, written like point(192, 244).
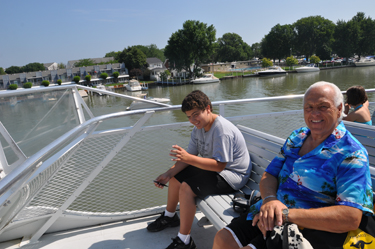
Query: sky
point(60, 31)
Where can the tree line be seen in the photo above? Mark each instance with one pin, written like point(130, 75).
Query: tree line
point(196, 44)
point(316, 35)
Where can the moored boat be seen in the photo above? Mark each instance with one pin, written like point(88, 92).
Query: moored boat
point(368, 61)
point(133, 86)
point(206, 78)
point(308, 68)
point(272, 71)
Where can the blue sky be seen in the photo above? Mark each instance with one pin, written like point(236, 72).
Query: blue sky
point(59, 31)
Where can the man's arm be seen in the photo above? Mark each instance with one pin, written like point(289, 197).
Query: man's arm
point(334, 219)
point(271, 211)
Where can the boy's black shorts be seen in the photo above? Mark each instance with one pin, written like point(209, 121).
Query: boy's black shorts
point(204, 182)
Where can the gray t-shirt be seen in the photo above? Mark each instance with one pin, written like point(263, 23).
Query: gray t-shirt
point(224, 143)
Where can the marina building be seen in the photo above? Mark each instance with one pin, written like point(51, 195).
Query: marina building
point(67, 75)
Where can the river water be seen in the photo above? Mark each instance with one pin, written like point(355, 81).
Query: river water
point(249, 87)
point(30, 118)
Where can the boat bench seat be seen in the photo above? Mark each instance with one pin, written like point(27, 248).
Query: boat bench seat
point(263, 148)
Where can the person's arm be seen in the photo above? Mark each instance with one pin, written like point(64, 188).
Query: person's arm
point(366, 104)
point(210, 164)
point(334, 219)
point(271, 211)
point(174, 170)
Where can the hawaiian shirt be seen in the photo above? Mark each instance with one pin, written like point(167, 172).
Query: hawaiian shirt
point(335, 173)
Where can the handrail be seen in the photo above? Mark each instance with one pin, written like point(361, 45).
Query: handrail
point(26, 167)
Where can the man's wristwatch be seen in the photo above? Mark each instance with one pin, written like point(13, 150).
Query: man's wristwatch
point(285, 215)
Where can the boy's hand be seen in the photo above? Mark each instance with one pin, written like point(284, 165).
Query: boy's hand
point(179, 153)
point(163, 178)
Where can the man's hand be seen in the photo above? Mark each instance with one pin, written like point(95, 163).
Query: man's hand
point(261, 227)
point(270, 214)
point(179, 153)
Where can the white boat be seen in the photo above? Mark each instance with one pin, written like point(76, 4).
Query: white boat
point(91, 186)
point(206, 78)
point(100, 87)
point(272, 71)
point(368, 61)
point(133, 86)
point(141, 104)
point(308, 68)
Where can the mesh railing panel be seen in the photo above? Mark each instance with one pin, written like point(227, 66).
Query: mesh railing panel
point(126, 184)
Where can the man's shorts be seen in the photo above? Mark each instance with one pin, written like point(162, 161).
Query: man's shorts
point(204, 182)
point(245, 233)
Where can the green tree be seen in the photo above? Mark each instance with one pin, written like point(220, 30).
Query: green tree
point(116, 75)
point(27, 85)
point(290, 61)
point(164, 75)
point(2, 71)
point(362, 30)
point(266, 62)
point(314, 35)
point(231, 47)
point(33, 67)
point(256, 48)
point(135, 58)
point(61, 65)
point(190, 46)
point(84, 63)
point(59, 81)
point(114, 55)
point(151, 51)
point(314, 59)
point(135, 72)
point(103, 76)
point(277, 43)
point(45, 83)
point(76, 79)
point(13, 87)
point(13, 70)
point(88, 79)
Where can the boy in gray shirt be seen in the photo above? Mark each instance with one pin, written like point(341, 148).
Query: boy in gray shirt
point(223, 166)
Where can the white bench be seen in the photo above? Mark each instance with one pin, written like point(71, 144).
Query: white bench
point(263, 148)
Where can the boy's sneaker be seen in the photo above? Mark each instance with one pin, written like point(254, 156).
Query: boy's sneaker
point(178, 244)
point(163, 222)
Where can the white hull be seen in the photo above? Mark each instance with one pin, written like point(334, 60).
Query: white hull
point(364, 64)
point(207, 78)
point(133, 89)
point(307, 69)
point(272, 71)
point(206, 81)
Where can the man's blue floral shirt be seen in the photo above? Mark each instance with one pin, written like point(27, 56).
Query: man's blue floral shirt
point(334, 173)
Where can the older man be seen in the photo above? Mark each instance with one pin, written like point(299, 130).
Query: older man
point(320, 180)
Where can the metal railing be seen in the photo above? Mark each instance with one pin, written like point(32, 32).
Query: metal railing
point(106, 174)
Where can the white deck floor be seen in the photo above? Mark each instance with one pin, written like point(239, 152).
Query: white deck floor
point(131, 234)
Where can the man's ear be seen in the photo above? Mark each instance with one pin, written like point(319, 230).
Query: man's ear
point(340, 109)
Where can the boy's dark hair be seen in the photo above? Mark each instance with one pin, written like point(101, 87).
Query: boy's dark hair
point(356, 95)
point(196, 99)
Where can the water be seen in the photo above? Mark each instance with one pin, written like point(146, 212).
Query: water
point(243, 88)
point(23, 118)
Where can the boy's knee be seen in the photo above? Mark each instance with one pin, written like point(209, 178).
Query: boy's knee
point(186, 189)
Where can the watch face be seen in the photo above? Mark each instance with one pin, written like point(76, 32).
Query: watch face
point(285, 211)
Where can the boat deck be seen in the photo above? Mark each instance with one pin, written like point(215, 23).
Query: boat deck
point(130, 234)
